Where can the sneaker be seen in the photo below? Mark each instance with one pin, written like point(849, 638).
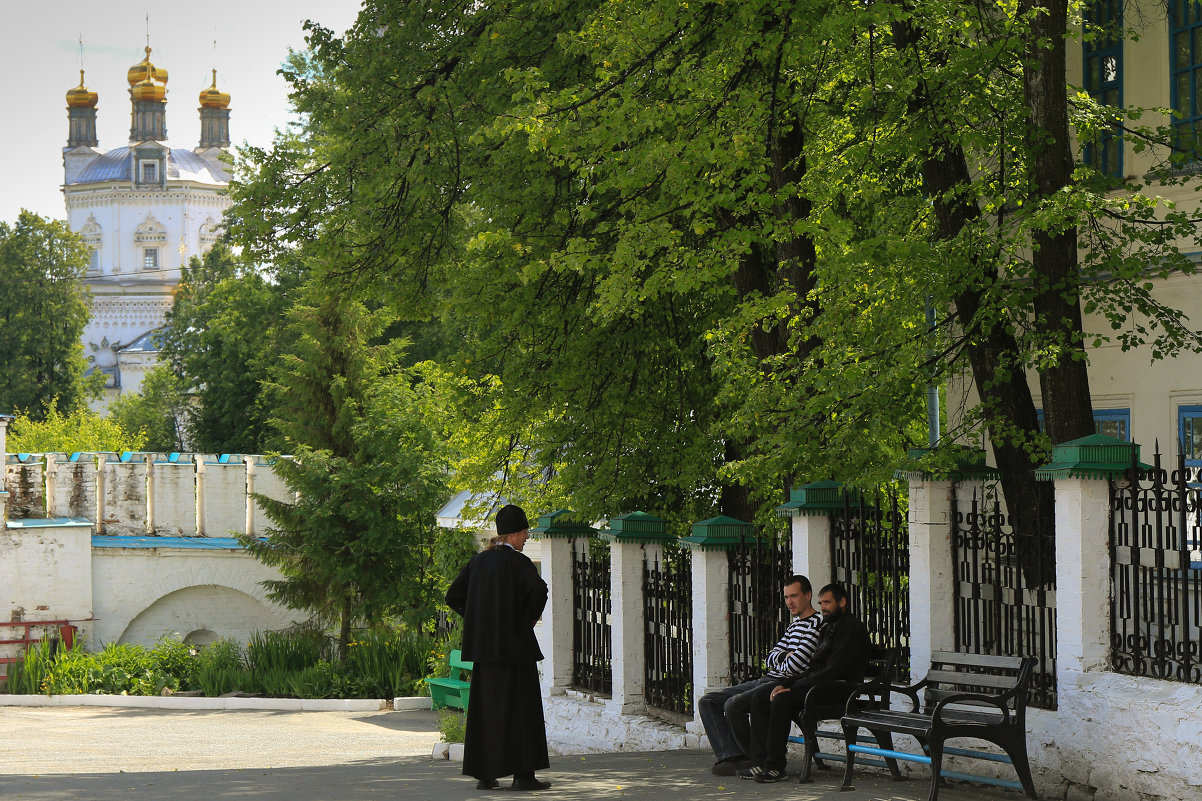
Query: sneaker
point(728, 766)
point(770, 775)
point(754, 773)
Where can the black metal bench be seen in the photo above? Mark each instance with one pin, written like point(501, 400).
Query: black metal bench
point(963, 695)
point(828, 701)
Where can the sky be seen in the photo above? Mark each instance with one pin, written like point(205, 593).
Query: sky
point(40, 61)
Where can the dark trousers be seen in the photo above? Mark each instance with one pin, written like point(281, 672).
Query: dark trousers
point(725, 714)
point(772, 719)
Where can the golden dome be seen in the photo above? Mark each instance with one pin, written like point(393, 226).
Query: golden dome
point(147, 81)
point(212, 98)
point(80, 96)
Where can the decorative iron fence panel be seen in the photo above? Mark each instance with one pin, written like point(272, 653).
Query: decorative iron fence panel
point(668, 610)
point(592, 649)
point(1156, 570)
point(870, 556)
point(1001, 608)
point(758, 617)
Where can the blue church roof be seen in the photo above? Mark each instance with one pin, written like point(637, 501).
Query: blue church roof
point(182, 165)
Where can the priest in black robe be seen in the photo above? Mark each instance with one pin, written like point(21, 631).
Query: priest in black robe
point(501, 595)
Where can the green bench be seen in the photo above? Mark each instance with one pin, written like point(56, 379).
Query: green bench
point(451, 691)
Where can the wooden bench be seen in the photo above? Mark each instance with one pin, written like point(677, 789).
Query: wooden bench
point(826, 702)
point(453, 690)
point(963, 695)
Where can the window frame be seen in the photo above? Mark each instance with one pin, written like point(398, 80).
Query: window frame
point(1098, 50)
point(1185, 17)
point(1191, 411)
point(150, 259)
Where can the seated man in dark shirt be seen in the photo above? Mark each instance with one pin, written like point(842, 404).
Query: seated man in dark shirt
point(842, 655)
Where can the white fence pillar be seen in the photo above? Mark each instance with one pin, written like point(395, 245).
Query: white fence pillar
point(932, 573)
point(635, 538)
point(559, 532)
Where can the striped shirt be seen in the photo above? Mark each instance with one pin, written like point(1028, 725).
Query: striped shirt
point(792, 655)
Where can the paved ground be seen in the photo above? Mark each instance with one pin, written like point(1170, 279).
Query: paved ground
point(86, 754)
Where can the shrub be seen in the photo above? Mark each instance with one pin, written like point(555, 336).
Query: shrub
point(177, 659)
point(452, 726)
point(220, 668)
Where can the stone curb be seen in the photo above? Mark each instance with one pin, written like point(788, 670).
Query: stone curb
point(188, 702)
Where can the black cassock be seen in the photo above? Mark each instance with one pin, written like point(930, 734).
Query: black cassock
point(500, 595)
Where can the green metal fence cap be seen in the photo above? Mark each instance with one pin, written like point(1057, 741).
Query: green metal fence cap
point(564, 523)
point(637, 527)
point(1097, 456)
point(948, 463)
point(719, 534)
point(815, 498)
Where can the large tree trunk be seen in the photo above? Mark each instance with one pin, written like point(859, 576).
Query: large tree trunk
point(994, 355)
point(1068, 411)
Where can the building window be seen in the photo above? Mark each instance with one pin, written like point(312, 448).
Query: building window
point(150, 258)
point(94, 260)
point(1185, 73)
point(1111, 422)
point(1103, 54)
point(150, 172)
point(1189, 427)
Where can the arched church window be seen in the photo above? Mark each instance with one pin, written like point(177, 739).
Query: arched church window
point(93, 237)
point(209, 232)
point(149, 236)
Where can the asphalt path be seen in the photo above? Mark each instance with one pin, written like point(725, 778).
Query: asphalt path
point(103, 754)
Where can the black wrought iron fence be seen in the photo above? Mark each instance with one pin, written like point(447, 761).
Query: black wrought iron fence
point(1156, 570)
point(592, 649)
point(757, 570)
point(1001, 606)
point(668, 610)
point(870, 555)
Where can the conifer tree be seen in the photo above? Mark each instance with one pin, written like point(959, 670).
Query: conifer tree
point(367, 473)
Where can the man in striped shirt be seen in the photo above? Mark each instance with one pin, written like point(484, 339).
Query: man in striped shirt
point(726, 713)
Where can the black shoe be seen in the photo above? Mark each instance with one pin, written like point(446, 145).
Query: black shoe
point(754, 772)
point(771, 775)
point(487, 784)
point(728, 766)
point(529, 785)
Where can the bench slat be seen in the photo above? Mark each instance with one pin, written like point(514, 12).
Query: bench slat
point(977, 660)
point(972, 679)
point(935, 696)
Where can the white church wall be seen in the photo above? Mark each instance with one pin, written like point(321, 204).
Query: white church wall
point(25, 483)
point(71, 485)
point(142, 593)
point(222, 503)
point(266, 482)
point(124, 495)
point(47, 572)
point(172, 496)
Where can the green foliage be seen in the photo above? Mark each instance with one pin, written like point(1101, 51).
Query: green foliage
point(221, 339)
point(158, 411)
point(685, 249)
point(220, 668)
point(452, 726)
point(44, 311)
point(79, 430)
point(115, 670)
point(369, 473)
point(28, 676)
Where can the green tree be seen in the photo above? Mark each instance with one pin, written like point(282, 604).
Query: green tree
point(158, 410)
point(43, 309)
point(221, 339)
point(687, 247)
point(368, 472)
point(78, 431)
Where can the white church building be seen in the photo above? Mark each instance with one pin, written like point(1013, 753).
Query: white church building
point(144, 209)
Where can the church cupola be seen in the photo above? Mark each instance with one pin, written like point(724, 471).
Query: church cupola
point(214, 117)
point(81, 115)
point(148, 94)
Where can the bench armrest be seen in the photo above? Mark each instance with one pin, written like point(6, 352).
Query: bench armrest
point(884, 690)
point(998, 701)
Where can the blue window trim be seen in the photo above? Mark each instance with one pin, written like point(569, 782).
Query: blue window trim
point(1102, 415)
point(1106, 154)
point(1186, 417)
point(1185, 18)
